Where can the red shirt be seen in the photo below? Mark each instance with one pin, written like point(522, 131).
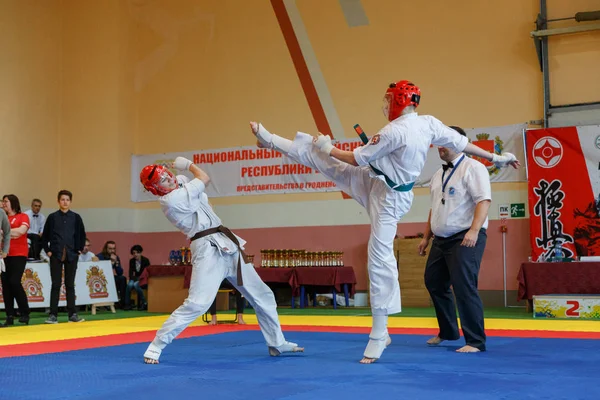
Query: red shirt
point(18, 246)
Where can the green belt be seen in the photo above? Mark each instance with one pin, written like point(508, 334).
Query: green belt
point(399, 188)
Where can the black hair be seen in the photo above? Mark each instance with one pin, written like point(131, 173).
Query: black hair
point(459, 130)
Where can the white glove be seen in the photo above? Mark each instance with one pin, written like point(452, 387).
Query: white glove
point(182, 164)
point(503, 160)
point(2, 265)
point(323, 143)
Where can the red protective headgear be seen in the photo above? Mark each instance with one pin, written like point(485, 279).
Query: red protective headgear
point(157, 179)
point(398, 96)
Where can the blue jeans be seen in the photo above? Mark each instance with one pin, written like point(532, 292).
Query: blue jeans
point(135, 285)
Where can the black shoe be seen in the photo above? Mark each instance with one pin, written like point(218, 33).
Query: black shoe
point(10, 321)
point(24, 319)
point(75, 318)
point(52, 319)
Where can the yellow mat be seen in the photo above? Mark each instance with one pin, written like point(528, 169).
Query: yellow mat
point(65, 331)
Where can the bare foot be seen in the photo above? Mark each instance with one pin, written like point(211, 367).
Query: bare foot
point(369, 360)
point(468, 349)
point(241, 319)
point(260, 142)
point(254, 127)
point(434, 341)
point(150, 361)
point(213, 320)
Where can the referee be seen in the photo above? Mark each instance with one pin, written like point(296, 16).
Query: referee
point(461, 195)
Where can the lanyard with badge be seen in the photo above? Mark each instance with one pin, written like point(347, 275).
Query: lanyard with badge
point(444, 183)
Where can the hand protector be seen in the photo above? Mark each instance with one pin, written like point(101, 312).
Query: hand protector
point(182, 164)
point(503, 160)
point(323, 143)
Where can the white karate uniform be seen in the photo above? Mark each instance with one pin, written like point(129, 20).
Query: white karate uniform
point(214, 258)
point(399, 150)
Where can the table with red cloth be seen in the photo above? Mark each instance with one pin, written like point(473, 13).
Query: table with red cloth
point(337, 279)
point(558, 278)
point(167, 270)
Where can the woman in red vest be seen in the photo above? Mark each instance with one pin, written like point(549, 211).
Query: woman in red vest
point(15, 262)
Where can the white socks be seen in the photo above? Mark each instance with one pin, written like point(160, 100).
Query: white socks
point(271, 141)
point(379, 329)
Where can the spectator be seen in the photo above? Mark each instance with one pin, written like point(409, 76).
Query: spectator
point(15, 262)
point(63, 239)
point(5, 239)
point(37, 221)
point(86, 255)
point(137, 265)
point(109, 253)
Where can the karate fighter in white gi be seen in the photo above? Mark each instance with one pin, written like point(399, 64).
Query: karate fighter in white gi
point(217, 254)
point(380, 176)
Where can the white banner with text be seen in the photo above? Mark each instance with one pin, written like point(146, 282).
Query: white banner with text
point(250, 170)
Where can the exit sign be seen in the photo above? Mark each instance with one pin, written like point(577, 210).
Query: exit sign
point(517, 210)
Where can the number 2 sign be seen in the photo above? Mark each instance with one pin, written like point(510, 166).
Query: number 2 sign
point(573, 310)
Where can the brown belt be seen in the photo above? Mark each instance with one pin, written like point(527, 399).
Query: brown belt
point(227, 232)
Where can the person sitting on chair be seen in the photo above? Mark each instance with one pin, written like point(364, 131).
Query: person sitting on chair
point(137, 265)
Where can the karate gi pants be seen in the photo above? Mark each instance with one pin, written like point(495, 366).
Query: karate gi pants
point(210, 266)
point(384, 206)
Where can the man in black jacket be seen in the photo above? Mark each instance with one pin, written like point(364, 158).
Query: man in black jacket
point(137, 265)
point(63, 239)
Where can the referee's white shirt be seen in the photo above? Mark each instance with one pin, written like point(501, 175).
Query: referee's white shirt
point(36, 223)
point(469, 185)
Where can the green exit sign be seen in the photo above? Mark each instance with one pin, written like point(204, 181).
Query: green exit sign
point(517, 210)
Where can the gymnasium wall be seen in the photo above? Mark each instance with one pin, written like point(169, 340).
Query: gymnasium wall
point(88, 84)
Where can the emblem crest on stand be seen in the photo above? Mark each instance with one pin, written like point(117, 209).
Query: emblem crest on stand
point(96, 282)
point(33, 286)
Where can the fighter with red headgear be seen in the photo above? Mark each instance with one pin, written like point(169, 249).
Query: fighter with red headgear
point(217, 254)
point(398, 96)
point(158, 180)
point(380, 176)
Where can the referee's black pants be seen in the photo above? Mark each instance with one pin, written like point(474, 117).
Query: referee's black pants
point(450, 264)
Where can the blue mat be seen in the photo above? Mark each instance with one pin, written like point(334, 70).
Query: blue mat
point(237, 366)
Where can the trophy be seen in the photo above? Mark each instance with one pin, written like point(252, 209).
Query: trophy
point(173, 257)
